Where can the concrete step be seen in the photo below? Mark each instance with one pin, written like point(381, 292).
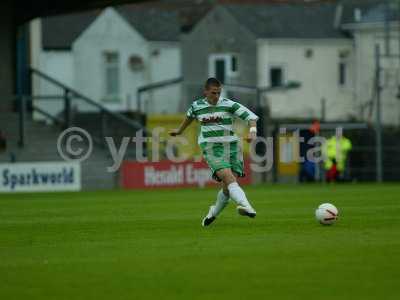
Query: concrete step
point(41, 145)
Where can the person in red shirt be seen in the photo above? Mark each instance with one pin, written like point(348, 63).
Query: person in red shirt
point(332, 174)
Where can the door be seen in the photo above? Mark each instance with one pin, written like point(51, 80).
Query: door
point(220, 70)
point(218, 67)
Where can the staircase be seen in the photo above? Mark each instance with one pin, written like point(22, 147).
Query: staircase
point(41, 145)
point(92, 123)
point(41, 139)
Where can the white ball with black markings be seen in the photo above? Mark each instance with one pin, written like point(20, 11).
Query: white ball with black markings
point(326, 214)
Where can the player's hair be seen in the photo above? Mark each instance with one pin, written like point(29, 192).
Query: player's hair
point(212, 82)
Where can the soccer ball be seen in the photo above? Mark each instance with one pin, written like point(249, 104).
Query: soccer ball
point(326, 213)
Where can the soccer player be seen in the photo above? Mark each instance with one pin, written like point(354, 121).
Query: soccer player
point(220, 145)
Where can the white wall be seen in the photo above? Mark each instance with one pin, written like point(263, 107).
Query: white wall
point(165, 64)
point(57, 64)
point(60, 66)
point(35, 37)
point(365, 40)
point(82, 68)
point(110, 32)
point(318, 76)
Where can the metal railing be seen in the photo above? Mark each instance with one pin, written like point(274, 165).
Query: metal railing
point(260, 91)
point(68, 96)
point(153, 86)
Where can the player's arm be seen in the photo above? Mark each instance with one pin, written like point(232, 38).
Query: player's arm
point(252, 135)
point(186, 122)
point(248, 116)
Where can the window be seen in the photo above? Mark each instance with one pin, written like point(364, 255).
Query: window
point(111, 74)
point(276, 76)
point(234, 64)
point(223, 66)
point(220, 70)
point(342, 73)
point(309, 53)
point(343, 65)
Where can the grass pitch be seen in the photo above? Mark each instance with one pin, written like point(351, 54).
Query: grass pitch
point(150, 245)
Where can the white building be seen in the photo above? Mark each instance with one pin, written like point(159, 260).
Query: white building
point(107, 55)
point(367, 25)
point(270, 45)
point(324, 69)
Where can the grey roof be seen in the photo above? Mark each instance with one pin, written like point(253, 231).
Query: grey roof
point(371, 11)
point(304, 20)
point(378, 14)
point(155, 24)
point(59, 32)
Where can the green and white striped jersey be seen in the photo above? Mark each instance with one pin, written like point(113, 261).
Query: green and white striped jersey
point(216, 121)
